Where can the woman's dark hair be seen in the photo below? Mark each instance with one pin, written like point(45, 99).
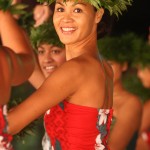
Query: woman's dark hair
point(106, 24)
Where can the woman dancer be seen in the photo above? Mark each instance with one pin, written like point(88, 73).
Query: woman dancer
point(79, 92)
point(142, 63)
point(50, 51)
point(115, 50)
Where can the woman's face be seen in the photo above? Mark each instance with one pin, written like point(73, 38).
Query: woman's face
point(74, 21)
point(144, 75)
point(50, 57)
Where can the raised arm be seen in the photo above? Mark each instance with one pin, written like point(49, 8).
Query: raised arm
point(21, 53)
point(5, 76)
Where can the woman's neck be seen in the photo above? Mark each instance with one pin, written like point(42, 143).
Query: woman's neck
point(118, 88)
point(88, 45)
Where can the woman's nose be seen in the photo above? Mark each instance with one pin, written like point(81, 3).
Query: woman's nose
point(48, 58)
point(67, 18)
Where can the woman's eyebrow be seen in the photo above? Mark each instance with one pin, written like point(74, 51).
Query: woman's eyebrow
point(60, 3)
point(80, 3)
point(41, 47)
point(75, 3)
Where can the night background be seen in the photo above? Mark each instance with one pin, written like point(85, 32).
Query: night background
point(136, 19)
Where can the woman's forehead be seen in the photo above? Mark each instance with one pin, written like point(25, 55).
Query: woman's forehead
point(73, 2)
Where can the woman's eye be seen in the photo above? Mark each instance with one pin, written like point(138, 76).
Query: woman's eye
point(77, 10)
point(60, 10)
point(40, 52)
point(55, 51)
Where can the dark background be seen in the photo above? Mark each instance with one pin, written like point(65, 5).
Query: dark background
point(136, 19)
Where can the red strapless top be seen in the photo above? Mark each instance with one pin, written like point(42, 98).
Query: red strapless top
point(74, 127)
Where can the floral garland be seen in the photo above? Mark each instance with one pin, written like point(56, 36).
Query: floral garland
point(113, 6)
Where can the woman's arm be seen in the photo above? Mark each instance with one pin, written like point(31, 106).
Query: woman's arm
point(21, 53)
point(55, 89)
point(5, 76)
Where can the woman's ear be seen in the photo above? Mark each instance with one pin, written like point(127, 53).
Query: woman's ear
point(99, 15)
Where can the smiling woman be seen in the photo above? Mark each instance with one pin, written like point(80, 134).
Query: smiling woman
point(78, 95)
point(50, 51)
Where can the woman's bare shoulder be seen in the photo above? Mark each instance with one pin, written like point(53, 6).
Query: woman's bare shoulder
point(132, 104)
point(72, 66)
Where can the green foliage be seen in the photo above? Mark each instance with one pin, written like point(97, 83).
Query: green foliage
point(18, 9)
point(14, 9)
point(133, 84)
point(19, 93)
point(141, 54)
point(26, 21)
point(113, 6)
point(5, 4)
point(28, 130)
point(118, 48)
point(46, 34)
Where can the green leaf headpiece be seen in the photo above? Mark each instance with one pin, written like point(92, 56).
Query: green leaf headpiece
point(142, 54)
point(113, 6)
point(44, 34)
point(117, 48)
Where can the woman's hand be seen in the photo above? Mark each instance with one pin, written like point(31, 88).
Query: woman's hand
point(41, 14)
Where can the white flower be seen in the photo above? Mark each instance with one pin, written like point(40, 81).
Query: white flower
point(5, 110)
point(99, 145)
point(1, 138)
point(52, 148)
point(103, 116)
point(48, 112)
point(46, 142)
point(144, 136)
point(2, 143)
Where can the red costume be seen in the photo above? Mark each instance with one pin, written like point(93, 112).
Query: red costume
point(5, 139)
point(74, 127)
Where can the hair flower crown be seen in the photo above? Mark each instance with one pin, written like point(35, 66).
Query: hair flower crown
point(113, 6)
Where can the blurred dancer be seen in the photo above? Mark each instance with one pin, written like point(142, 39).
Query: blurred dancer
point(116, 51)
